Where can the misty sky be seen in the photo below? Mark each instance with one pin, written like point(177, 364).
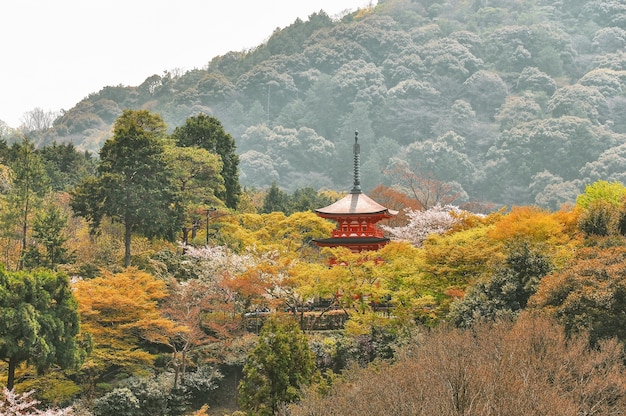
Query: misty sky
point(55, 53)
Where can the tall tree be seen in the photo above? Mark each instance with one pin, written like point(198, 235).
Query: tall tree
point(29, 185)
point(40, 322)
point(207, 132)
point(133, 185)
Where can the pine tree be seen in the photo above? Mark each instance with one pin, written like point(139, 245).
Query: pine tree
point(280, 364)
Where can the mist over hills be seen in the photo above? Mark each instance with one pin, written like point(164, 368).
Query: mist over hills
point(507, 102)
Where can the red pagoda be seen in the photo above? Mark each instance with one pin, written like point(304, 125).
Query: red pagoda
point(356, 215)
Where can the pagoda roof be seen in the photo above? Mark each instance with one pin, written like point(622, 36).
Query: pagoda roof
point(356, 203)
point(351, 241)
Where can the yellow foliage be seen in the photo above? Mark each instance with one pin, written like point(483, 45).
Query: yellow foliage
point(531, 224)
point(119, 311)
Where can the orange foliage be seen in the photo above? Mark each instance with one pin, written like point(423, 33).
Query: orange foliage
point(120, 311)
point(395, 200)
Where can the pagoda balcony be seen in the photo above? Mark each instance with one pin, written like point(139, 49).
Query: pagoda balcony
point(357, 233)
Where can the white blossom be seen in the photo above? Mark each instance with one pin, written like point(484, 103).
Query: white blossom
point(436, 220)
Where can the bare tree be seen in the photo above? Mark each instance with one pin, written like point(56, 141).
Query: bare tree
point(424, 187)
point(37, 119)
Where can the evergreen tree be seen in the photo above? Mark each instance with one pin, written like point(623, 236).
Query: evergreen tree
point(280, 364)
point(134, 185)
point(276, 200)
point(30, 184)
point(40, 321)
point(48, 232)
point(507, 291)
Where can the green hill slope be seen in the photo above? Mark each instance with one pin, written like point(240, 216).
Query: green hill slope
point(506, 101)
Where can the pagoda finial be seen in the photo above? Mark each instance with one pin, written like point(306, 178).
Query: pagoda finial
point(356, 189)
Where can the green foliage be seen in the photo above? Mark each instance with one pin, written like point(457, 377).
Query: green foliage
point(293, 102)
point(29, 185)
point(66, 166)
point(505, 293)
point(48, 232)
point(120, 402)
point(207, 132)
point(301, 200)
point(609, 192)
point(134, 186)
point(41, 321)
point(275, 201)
point(276, 369)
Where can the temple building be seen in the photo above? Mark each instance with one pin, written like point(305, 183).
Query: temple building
point(356, 215)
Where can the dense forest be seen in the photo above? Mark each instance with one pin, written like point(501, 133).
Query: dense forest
point(510, 102)
point(157, 242)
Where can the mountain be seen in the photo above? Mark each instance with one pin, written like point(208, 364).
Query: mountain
point(503, 101)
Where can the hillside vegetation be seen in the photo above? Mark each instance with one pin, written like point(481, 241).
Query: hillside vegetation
point(511, 102)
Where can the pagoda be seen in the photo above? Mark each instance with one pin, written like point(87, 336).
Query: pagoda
point(356, 215)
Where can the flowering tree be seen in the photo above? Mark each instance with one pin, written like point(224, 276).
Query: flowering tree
point(22, 405)
point(435, 220)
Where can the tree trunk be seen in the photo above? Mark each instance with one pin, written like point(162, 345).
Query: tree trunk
point(127, 234)
point(24, 230)
point(11, 373)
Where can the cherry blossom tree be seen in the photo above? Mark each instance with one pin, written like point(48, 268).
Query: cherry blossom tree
point(435, 220)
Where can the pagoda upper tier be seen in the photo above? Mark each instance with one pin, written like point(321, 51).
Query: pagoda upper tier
point(356, 215)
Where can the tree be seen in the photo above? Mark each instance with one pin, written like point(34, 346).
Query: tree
point(506, 292)
point(207, 132)
point(589, 294)
point(195, 173)
point(29, 185)
point(277, 368)
point(134, 183)
point(37, 120)
point(40, 321)
point(120, 312)
point(422, 223)
point(276, 200)
point(22, 404)
point(423, 187)
point(48, 232)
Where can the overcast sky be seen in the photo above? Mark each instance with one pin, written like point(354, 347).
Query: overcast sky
point(54, 53)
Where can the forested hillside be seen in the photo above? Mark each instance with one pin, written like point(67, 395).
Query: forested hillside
point(512, 102)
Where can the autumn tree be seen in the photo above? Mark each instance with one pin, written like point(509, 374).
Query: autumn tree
point(422, 223)
point(134, 185)
point(207, 133)
point(588, 294)
point(276, 369)
point(120, 312)
point(203, 315)
point(40, 321)
point(427, 190)
point(522, 368)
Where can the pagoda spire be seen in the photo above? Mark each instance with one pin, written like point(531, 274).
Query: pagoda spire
point(356, 189)
point(356, 215)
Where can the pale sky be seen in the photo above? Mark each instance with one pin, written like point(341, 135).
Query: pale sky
point(54, 53)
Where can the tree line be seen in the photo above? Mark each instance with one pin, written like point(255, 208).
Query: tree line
point(508, 103)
